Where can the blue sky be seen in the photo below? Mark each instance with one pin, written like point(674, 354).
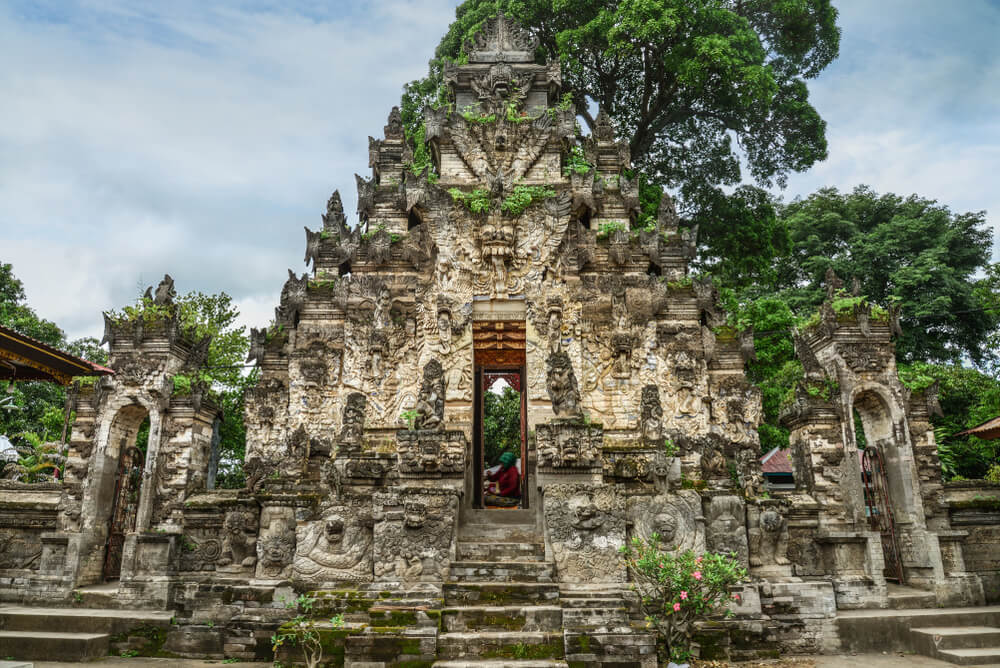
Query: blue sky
point(138, 138)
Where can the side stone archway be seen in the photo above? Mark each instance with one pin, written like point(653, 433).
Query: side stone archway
point(860, 488)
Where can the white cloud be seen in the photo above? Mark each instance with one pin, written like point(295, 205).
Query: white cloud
point(190, 140)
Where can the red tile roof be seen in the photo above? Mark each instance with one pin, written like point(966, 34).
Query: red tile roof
point(776, 461)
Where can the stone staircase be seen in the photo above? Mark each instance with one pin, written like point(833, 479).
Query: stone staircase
point(960, 636)
point(961, 645)
point(77, 634)
point(501, 602)
point(502, 606)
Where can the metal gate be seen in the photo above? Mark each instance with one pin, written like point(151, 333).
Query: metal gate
point(128, 485)
point(879, 510)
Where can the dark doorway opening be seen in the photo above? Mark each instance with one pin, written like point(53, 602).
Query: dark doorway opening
point(500, 455)
point(125, 509)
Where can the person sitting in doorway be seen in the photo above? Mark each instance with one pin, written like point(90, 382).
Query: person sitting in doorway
point(508, 483)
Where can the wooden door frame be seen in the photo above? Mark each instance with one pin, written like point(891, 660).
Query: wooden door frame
point(479, 447)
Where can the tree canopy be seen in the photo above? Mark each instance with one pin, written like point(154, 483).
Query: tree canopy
point(911, 251)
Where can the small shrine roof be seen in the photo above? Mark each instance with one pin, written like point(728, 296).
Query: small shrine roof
point(776, 461)
point(988, 430)
point(25, 358)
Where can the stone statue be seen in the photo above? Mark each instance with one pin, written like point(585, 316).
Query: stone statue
point(561, 385)
point(238, 539)
point(353, 423)
point(768, 536)
point(651, 416)
point(430, 404)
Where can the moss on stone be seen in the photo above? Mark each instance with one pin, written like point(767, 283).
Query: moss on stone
point(989, 503)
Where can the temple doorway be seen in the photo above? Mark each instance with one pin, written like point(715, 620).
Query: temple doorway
point(500, 457)
point(129, 440)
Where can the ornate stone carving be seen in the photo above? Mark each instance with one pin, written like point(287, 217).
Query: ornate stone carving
point(238, 537)
point(366, 197)
point(725, 517)
point(430, 403)
point(293, 296)
point(586, 527)
point(413, 534)
point(337, 547)
point(561, 385)
point(431, 452)
point(501, 38)
point(651, 416)
point(353, 422)
point(768, 534)
point(676, 518)
point(276, 545)
point(568, 444)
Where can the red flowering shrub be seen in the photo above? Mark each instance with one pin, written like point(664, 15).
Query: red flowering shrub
point(677, 590)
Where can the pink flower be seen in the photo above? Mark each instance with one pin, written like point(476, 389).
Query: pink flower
point(697, 575)
point(697, 560)
point(677, 607)
point(736, 597)
point(684, 595)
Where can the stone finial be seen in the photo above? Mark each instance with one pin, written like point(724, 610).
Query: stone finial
point(833, 284)
point(501, 39)
point(394, 126)
point(603, 130)
point(366, 197)
point(334, 216)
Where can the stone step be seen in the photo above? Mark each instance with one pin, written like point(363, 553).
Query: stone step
point(500, 593)
point(501, 618)
point(501, 645)
point(956, 637)
point(501, 663)
point(971, 657)
point(53, 646)
point(492, 571)
point(855, 627)
point(604, 620)
point(604, 602)
point(499, 533)
point(907, 598)
point(634, 648)
point(80, 620)
point(499, 551)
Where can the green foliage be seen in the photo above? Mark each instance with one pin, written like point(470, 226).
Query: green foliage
point(675, 591)
point(302, 631)
point(477, 201)
point(521, 197)
point(410, 417)
point(605, 230)
point(501, 424)
point(30, 406)
point(968, 397)
point(37, 460)
point(669, 448)
point(913, 251)
point(576, 163)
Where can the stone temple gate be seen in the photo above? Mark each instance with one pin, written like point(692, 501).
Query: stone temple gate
point(364, 456)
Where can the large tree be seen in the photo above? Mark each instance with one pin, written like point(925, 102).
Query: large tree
point(908, 250)
point(702, 90)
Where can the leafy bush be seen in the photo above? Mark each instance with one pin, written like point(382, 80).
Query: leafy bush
point(607, 229)
point(675, 591)
point(523, 196)
point(477, 201)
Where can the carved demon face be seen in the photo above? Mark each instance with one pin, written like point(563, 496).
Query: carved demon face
point(585, 514)
point(770, 521)
point(665, 526)
point(334, 529)
point(414, 514)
